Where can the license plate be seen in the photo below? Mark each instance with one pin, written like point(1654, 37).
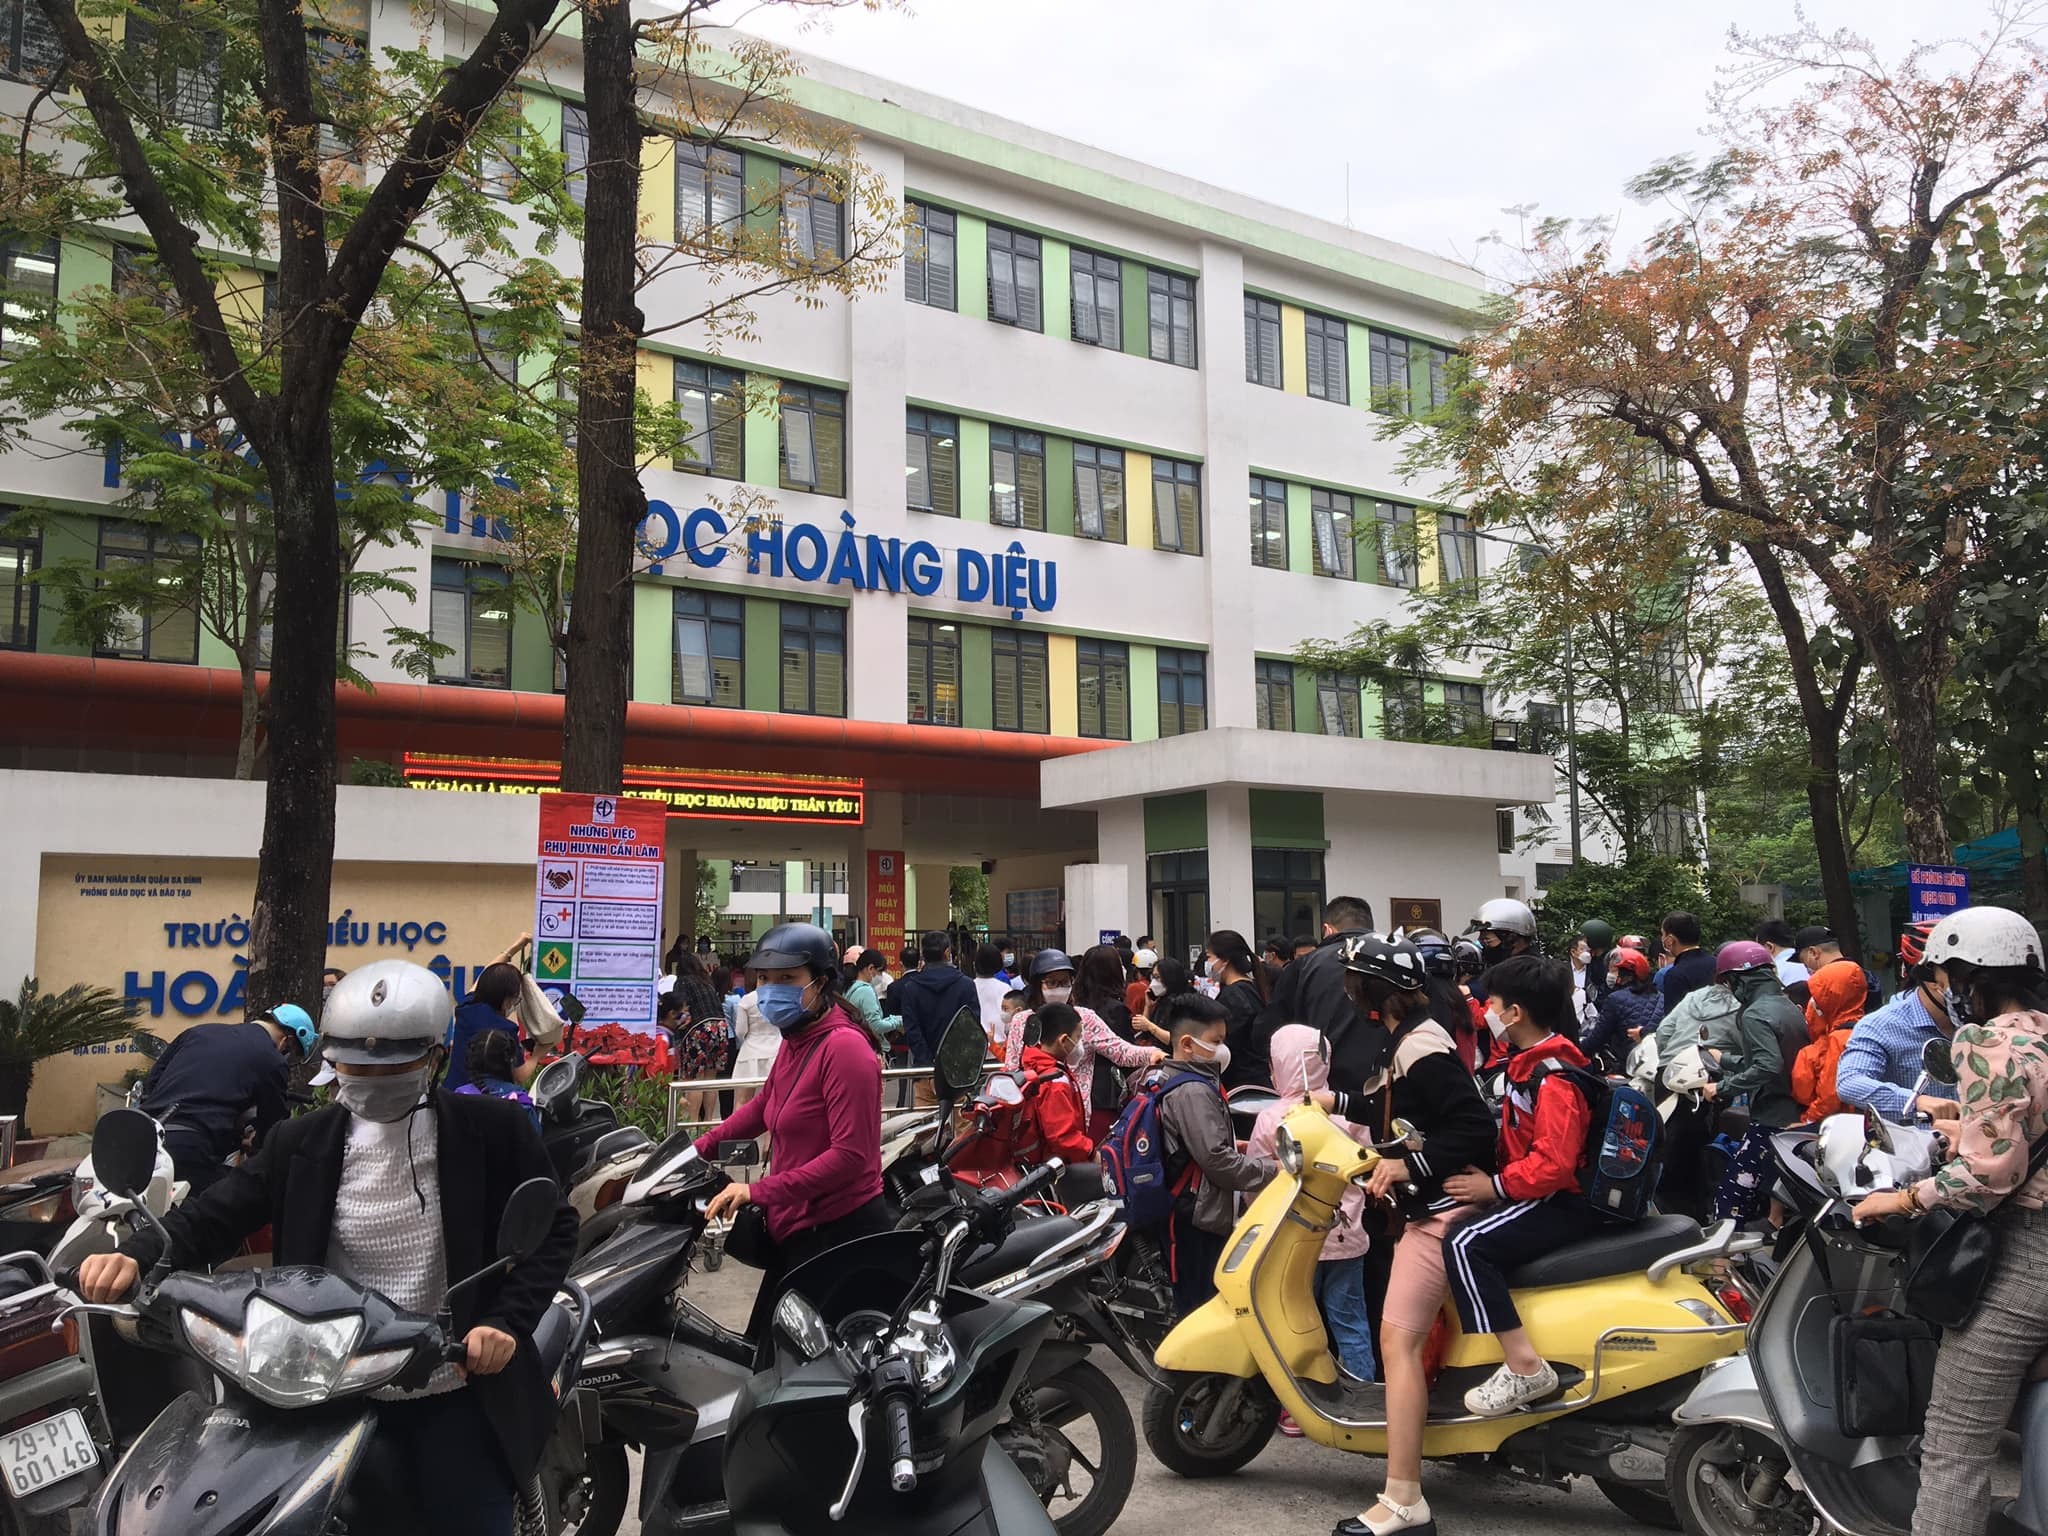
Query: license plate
point(46, 1452)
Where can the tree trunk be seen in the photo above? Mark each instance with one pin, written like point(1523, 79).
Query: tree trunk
point(2025, 783)
point(245, 747)
point(288, 924)
point(1824, 748)
point(610, 501)
point(1916, 737)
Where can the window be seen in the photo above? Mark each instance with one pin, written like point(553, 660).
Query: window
point(163, 631)
point(1546, 726)
point(1183, 692)
point(1439, 382)
point(498, 164)
point(179, 81)
point(929, 266)
point(1390, 396)
point(931, 463)
point(1269, 523)
point(1098, 300)
point(1104, 689)
point(1099, 492)
point(136, 276)
point(710, 665)
point(813, 216)
point(1457, 549)
point(710, 193)
point(813, 659)
point(752, 879)
point(1170, 324)
point(1671, 676)
point(29, 49)
point(713, 405)
point(1504, 829)
point(19, 558)
point(576, 150)
point(1329, 360)
point(1330, 519)
point(1337, 704)
point(1020, 688)
point(813, 440)
point(1275, 683)
point(336, 57)
point(1016, 478)
point(28, 294)
point(1464, 708)
point(1403, 709)
point(824, 879)
point(1177, 505)
point(1396, 528)
point(1287, 890)
point(934, 672)
point(1261, 341)
point(472, 616)
point(1015, 286)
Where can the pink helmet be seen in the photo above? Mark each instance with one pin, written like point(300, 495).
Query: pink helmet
point(1742, 955)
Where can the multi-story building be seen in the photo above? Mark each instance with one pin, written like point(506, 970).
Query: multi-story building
point(1051, 514)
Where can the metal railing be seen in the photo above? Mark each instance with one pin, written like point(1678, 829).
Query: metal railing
point(899, 1078)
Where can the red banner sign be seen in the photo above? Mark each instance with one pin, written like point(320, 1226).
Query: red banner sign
point(597, 905)
point(885, 901)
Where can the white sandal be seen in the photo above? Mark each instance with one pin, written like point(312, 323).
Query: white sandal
point(1413, 1519)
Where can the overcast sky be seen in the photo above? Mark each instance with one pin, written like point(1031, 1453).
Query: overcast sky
point(1446, 111)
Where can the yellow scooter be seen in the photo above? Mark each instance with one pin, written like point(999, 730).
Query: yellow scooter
point(1625, 1316)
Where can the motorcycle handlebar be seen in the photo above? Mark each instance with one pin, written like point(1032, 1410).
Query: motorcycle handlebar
point(1027, 1186)
point(902, 1465)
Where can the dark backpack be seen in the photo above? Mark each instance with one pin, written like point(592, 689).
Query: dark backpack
point(1624, 1142)
point(1135, 1166)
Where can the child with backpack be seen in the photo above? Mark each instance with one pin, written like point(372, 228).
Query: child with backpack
point(1535, 1203)
point(1172, 1155)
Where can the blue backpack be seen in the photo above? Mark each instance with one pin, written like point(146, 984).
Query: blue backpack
point(1625, 1143)
point(1133, 1156)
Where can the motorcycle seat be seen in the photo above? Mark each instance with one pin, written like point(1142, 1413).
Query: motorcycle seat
point(1026, 1242)
point(1614, 1252)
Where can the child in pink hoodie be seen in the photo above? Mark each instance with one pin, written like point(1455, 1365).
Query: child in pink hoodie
point(1298, 1070)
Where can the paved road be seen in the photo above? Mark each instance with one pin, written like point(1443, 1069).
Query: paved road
point(1293, 1488)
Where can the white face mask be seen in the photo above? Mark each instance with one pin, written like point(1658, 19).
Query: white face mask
point(1217, 1055)
point(1058, 994)
point(1497, 1024)
point(384, 1099)
point(1213, 968)
point(1158, 988)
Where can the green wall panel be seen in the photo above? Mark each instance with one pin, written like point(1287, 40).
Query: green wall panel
point(764, 195)
point(533, 657)
point(67, 540)
point(970, 251)
point(1358, 363)
point(1301, 535)
point(1174, 822)
point(214, 651)
point(654, 610)
point(1137, 338)
point(763, 444)
point(974, 470)
point(1307, 718)
point(1057, 263)
point(977, 677)
point(543, 114)
point(1287, 818)
point(1144, 693)
point(1059, 485)
point(763, 648)
point(1372, 713)
point(1418, 377)
point(81, 264)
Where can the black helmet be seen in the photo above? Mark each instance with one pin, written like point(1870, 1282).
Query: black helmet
point(796, 946)
point(1046, 961)
point(1467, 959)
point(1393, 961)
point(1435, 950)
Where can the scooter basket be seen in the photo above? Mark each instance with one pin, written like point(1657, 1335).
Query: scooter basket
point(1884, 1374)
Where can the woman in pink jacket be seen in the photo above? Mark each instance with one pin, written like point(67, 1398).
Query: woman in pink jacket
point(1052, 981)
point(1298, 1071)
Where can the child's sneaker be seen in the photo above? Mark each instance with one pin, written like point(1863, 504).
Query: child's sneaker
point(1505, 1391)
point(1288, 1427)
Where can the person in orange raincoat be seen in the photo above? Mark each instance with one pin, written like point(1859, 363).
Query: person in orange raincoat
point(1836, 994)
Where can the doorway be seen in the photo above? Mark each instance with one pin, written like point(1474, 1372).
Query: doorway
point(1178, 887)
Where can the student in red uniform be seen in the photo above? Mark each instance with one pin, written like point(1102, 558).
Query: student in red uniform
point(1055, 1120)
point(1534, 1204)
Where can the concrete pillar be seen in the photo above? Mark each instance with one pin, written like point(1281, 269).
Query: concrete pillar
point(679, 887)
point(1120, 841)
point(934, 896)
point(1225, 473)
point(1230, 857)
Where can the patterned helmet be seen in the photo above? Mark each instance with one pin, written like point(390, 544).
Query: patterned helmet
point(1633, 961)
point(1395, 962)
point(1913, 943)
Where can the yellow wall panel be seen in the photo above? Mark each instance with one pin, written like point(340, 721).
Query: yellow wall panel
point(1429, 565)
point(1141, 528)
point(658, 188)
point(1063, 675)
point(239, 292)
point(655, 372)
point(1293, 350)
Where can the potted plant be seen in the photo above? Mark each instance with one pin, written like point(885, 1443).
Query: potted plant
point(38, 1024)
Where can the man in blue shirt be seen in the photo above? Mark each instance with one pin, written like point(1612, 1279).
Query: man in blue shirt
point(1880, 1066)
point(212, 1075)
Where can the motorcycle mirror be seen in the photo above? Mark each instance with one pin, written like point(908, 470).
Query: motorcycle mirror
point(957, 1063)
point(124, 1151)
point(1937, 1060)
point(739, 1154)
point(528, 1216)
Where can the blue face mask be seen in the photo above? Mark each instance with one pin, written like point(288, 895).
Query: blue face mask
point(782, 1004)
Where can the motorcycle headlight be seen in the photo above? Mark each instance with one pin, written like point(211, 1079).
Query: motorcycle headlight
point(1289, 1150)
point(215, 1345)
point(289, 1361)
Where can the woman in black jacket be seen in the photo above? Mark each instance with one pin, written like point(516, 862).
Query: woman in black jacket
point(1243, 988)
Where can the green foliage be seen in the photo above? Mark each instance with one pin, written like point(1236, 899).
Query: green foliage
point(707, 914)
point(1635, 895)
point(375, 773)
point(36, 1024)
point(637, 1098)
point(967, 896)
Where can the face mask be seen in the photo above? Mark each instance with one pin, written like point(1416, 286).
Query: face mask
point(1581, 955)
point(1058, 994)
point(1009, 960)
point(1075, 1055)
point(781, 1004)
point(1217, 1055)
point(1157, 989)
point(1213, 968)
point(1958, 1005)
point(1497, 1024)
point(386, 1100)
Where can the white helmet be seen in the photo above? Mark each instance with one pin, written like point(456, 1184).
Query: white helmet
point(388, 1011)
point(1984, 936)
point(1506, 915)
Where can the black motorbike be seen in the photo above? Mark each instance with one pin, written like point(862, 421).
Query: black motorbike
point(288, 1446)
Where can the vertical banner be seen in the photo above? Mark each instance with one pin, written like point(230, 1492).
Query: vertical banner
point(597, 913)
point(1935, 890)
point(885, 901)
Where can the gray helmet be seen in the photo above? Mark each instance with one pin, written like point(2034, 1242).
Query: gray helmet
point(796, 947)
point(387, 1011)
point(1504, 914)
point(1046, 961)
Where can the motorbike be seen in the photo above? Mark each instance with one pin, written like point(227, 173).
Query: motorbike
point(1627, 1317)
point(571, 1126)
point(285, 1444)
point(1771, 1440)
point(35, 1205)
point(57, 1439)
